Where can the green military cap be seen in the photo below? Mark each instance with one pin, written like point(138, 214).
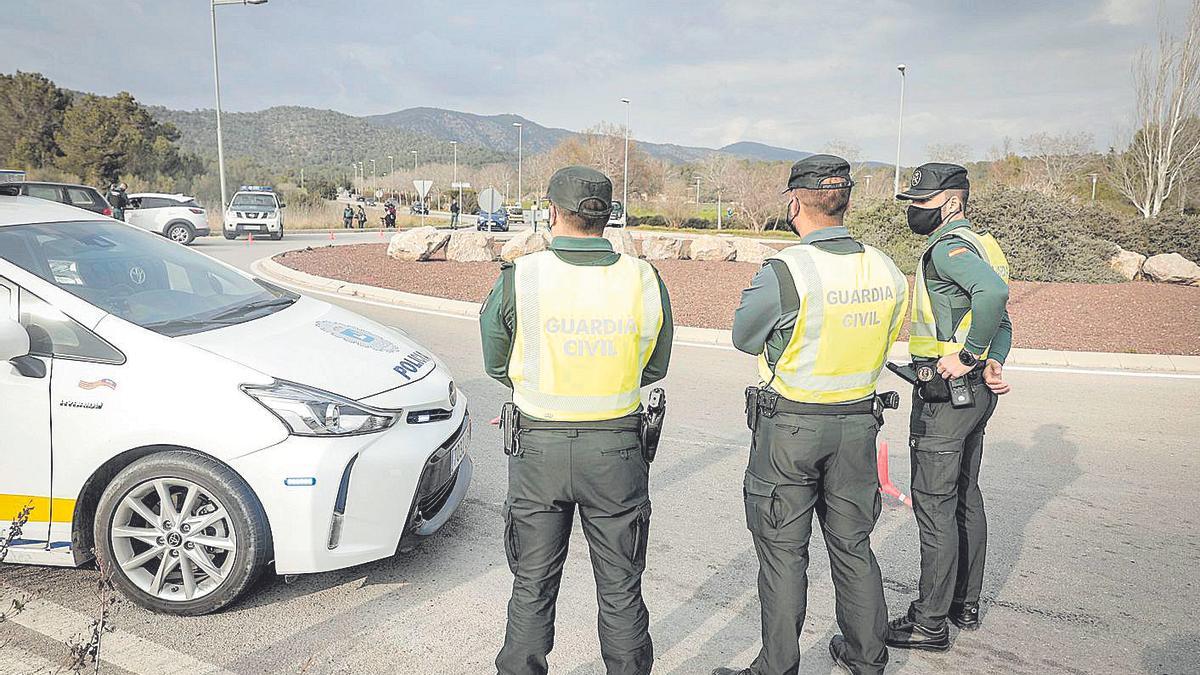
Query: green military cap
point(820, 172)
point(931, 178)
point(571, 186)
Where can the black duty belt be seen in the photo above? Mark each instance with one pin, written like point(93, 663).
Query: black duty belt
point(790, 407)
point(762, 402)
point(630, 422)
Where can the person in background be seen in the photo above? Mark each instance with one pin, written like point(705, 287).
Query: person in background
point(362, 217)
point(454, 209)
point(118, 199)
point(348, 217)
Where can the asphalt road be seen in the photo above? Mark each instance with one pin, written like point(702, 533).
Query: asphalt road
point(1090, 481)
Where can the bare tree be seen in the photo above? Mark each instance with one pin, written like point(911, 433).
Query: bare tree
point(953, 153)
point(755, 189)
point(1165, 143)
point(717, 170)
point(1057, 157)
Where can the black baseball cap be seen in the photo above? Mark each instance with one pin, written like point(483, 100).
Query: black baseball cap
point(811, 173)
point(930, 179)
point(571, 186)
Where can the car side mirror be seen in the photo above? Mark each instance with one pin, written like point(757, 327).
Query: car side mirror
point(282, 205)
point(14, 348)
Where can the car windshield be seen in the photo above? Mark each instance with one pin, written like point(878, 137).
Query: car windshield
point(139, 276)
point(253, 201)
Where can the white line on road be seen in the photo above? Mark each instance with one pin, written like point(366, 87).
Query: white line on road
point(122, 649)
point(727, 348)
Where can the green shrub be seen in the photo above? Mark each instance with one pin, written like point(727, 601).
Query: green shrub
point(699, 224)
point(653, 220)
point(1045, 238)
point(1171, 234)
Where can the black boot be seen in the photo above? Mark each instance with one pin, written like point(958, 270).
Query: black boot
point(837, 651)
point(965, 615)
point(906, 633)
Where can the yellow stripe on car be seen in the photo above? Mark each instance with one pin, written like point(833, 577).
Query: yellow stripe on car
point(11, 505)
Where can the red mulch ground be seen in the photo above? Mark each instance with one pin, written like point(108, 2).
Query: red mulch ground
point(1138, 317)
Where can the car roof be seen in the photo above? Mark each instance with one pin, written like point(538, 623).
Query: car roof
point(179, 197)
point(54, 183)
point(30, 210)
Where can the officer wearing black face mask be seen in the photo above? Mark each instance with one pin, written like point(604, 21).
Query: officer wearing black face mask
point(960, 326)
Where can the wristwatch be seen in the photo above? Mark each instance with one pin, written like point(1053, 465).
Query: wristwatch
point(967, 358)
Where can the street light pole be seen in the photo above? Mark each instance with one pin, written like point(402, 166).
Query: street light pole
point(414, 154)
point(454, 144)
point(391, 165)
point(868, 177)
point(520, 143)
point(899, 130)
point(217, 89)
point(697, 191)
point(1094, 177)
point(374, 180)
point(625, 177)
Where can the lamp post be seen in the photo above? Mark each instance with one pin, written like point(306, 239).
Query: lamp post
point(868, 177)
point(697, 191)
point(414, 154)
point(391, 165)
point(217, 89)
point(520, 143)
point(374, 181)
point(454, 144)
point(1094, 176)
point(625, 177)
point(899, 130)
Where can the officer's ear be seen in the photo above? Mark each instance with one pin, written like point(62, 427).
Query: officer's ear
point(553, 215)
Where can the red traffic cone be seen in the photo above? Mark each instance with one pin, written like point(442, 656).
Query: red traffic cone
point(886, 486)
point(249, 238)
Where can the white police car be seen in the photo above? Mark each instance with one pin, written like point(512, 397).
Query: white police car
point(190, 424)
point(254, 209)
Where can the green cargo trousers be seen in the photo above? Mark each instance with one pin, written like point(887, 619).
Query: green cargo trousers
point(601, 472)
point(946, 445)
point(823, 463)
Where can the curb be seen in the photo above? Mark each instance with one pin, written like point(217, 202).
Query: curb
point(1019, 356)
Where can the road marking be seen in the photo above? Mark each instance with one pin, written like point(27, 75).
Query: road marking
point(728, 348)
point(122, 649)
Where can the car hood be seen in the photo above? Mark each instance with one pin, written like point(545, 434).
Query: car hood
point(320, 345)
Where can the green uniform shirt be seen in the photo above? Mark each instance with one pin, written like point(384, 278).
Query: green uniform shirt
point(498, 319)
point(761, 321)
point(966, 281)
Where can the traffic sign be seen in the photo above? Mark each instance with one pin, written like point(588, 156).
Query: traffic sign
point(490, 200)
point(379, 194)
point(461, 185)
point(422, 187)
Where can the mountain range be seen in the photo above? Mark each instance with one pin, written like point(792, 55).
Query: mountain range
point(292, 135)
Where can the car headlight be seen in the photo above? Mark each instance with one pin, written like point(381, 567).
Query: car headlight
point(311, 412)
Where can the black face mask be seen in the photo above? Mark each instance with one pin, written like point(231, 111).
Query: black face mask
point(924, 221)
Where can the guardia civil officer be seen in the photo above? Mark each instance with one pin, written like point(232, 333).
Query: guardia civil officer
point(576, 331)
point(960, 327)
point(821, 316)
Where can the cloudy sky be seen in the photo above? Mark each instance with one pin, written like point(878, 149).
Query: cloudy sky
point(794, 74)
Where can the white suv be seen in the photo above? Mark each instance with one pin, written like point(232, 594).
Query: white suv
point(254, 209)
point(176, 217)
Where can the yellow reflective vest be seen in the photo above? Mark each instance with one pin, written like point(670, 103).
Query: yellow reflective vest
point(583, 336)
point(924, 340)
point(851, 310)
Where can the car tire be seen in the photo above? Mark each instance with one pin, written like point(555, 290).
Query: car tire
point(276, 236)
point(224, 530)
point(230, 235)
point(181, 233)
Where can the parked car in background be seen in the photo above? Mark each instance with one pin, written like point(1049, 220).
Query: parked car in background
point(203, 425)
point(176, 217)
point(617, 217)
point(254, 209)
point(497, 221)
point(419, 208)
point(81, 196)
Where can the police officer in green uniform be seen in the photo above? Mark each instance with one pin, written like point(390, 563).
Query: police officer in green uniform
point(961, 334)
point(821, 316)
point(576, 331)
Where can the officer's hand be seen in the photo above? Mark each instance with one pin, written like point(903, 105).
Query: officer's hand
point(950, 367)
point(993, 377)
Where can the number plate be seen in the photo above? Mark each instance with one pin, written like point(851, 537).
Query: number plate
point(253, 228)
point(460, 448)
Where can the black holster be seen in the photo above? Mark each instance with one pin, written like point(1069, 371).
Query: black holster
point(510, 429)
point(650, 429)
point(759, 401)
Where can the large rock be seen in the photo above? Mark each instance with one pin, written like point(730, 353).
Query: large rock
point(1172, 268)
point(524, 243)
point(471, 247)
point(708, 247)
point(663, 248)
point(750, 251)
point(622, 241)
point(1128, 264)
point(417, 244)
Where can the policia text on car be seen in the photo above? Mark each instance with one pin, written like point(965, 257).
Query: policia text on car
point(961, 335)
point(821, 316)
point(576, 331)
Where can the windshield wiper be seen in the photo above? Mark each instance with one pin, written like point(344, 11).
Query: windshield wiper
point(242, 310)
point(171, 325)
